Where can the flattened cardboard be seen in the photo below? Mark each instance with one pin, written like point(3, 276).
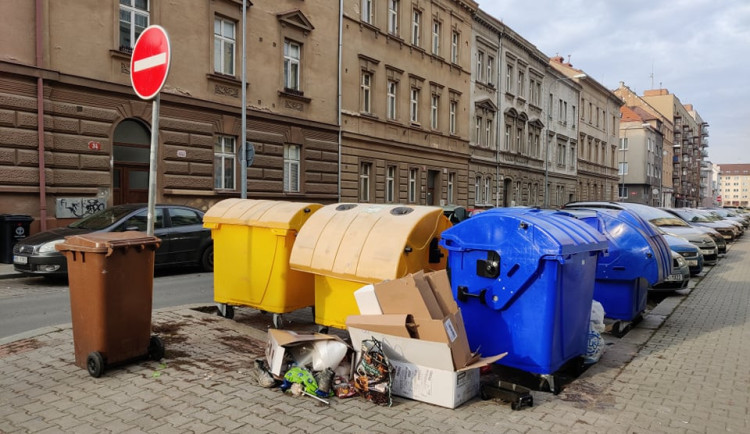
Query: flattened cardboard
point(279, 341)
point(428, 296)
point(398, 324)
point(401, 296)
point(441, 285)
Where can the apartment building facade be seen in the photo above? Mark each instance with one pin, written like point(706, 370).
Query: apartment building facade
point(734, 185)
point(73, 129)
point(641, 156)
point(598, 130)
point(405, 101)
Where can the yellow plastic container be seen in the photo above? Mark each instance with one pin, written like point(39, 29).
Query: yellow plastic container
point(347, 246)
point(252, 243)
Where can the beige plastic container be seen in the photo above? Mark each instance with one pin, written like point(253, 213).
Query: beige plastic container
point(347, 246)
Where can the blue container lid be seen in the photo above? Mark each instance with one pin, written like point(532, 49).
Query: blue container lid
point(526, 231)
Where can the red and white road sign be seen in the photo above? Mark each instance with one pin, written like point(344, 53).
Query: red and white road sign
point(150, 62)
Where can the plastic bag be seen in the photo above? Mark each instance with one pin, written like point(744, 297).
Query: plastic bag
point(597, 316)
point(595, 347)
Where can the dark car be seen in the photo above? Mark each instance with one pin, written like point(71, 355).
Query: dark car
point(184, 241)
point(696, 218)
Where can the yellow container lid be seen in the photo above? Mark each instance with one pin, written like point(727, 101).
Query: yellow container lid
point(259, 213)
point(366, 242)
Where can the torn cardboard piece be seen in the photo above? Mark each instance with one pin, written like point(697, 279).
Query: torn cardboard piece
point(283, 343)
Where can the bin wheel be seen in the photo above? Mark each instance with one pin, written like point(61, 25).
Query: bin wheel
point(95, 364)
point(323, 329)
point(228, 311)
point(278, 321)
point(155, 348)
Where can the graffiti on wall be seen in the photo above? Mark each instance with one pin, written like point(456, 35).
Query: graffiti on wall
point(77, 207)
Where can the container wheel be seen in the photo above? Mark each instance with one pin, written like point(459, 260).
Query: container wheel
point(95, 364)
point(278, 321)
point(155, 348)
point(226, 310)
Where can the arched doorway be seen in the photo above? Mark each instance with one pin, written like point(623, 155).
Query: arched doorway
point(131, 153)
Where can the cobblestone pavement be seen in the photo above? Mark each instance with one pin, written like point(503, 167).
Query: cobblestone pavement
point(683, 369)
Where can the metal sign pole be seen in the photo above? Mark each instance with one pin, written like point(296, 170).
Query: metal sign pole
point(152, 167)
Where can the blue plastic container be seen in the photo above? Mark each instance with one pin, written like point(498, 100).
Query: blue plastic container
point(524, 280)
point(638, 257)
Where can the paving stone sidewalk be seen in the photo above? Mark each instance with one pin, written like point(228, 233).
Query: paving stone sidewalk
point(683, 369)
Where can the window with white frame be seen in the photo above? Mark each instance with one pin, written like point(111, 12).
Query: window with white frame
point(391, 97)
point(451, 186)
point(434, 111)
point(488, 132)
point(367, 12)
point(480, 66)
point(509, 78)
point(364, 181)
point(478, 129)
point(134, 18)
point(224, 42)
point(366, 92)
point(225, 159)
point(623, 168)
point(521, 83)
point(623, 143)
point(390, 184)
point(413, 176)
point(478, 190)
point(506, 145)
point(487, 189)
point(519, 140)
point(416, 31)
point(414, 105)
point(452, 108)
point(490, 70)
point(393, 17)
point(455, 43)
point(291, 168)
point(292, 65)
point(436, 28)
point(561, 153)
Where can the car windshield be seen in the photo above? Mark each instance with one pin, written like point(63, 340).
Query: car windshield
point(694, 217)
point(669, 221)
point(102, 219)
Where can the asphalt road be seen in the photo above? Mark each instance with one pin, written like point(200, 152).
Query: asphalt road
point(32, 302)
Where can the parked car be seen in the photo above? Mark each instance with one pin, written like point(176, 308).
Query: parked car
point(679, 278)
point(694, 217)
point(742, 219)
point(184, 241)
point(692, 254)
point(669, 223)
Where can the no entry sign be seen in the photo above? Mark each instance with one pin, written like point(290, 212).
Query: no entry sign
point(150, 62)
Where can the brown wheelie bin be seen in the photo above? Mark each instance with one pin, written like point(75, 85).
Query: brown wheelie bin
point(111, 277)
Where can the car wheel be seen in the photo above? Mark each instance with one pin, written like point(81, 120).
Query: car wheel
point(207, 258)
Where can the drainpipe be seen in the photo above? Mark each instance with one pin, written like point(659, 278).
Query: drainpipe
point(500, 117)
point(40, 118)
point(338, 103)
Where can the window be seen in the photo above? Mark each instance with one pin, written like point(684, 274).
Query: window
point(436, 27)
point(452, 117)
point(561, 153)
point(367, 11)
point(478, 129)
point(507, 137)
point(139, 221)
point(434, 113)
point(413, 174)
point(184, 217)
point(224, 162)
point(391, 99)
point(451, 184)
point(133, 20)
point(519, 140)
point(521, 83)
point(509, 79)
point(291, 168)
point(623, 168)
point(477, 190)
point(390, 184)
point(224, 40)
point(454, 47)
point(480, 66)
point(488, 132)
point(416, 23)
point(364, 181)
point(623, 143)
point(487, 191)
point(414, 105)
point(365, 95)
point(291, 65)
point(393, 17)
point(490, 69)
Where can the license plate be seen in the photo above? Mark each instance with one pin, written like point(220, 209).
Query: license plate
point(692, 263)
point(674, 278)
point(708, 251)
point(18, 259)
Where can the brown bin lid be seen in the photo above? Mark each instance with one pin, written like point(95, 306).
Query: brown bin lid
point(106, 242)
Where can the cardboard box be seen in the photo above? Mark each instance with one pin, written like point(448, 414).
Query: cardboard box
point(282, 342)
point(423, 370)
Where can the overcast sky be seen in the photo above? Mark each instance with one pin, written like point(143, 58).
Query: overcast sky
point(697, 49)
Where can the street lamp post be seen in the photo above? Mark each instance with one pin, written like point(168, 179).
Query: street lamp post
point(549, 121)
